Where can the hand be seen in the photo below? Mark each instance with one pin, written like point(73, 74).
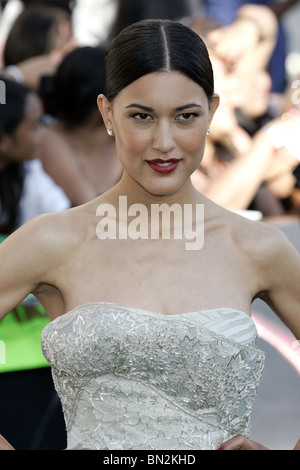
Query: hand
point(233, 41)
point(297, 446)
point(4, 445)
point(284, 133)
point(241, 443)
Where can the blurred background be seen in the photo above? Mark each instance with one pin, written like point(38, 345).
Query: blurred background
point(55, 153)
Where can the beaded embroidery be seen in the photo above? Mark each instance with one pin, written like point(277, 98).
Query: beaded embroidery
point(132, 379)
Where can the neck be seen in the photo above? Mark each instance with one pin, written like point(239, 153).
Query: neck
point(157, 216)
point(135, 193)
point(129, 211)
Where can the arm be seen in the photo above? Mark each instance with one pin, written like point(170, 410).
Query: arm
point(31, 70)
point(262, 16)
point(61, 164)
point(235, 187)
point(279, 273)
point(280, 278)
point(255, 28)
point(29, 258)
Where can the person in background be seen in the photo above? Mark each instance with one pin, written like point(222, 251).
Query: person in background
point(78, 153)
point(227, 11)
point(25, 189)
point(25, 192)
point(237, 171)
point(37, 41)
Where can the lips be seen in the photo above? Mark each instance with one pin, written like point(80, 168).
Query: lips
point(163, 166)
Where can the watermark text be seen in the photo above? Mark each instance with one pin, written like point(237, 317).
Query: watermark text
point(161, 221)
point(2, 92)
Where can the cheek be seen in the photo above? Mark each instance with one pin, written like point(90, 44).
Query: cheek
point(193, 142)
point(131, 141)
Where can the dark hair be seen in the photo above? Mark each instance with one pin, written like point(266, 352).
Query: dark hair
point(156, 45)
point(12, 176)
point(13, 112)
point(33, 33)
point(76, 85)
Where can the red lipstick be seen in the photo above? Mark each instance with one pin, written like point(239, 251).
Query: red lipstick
point(163, 166)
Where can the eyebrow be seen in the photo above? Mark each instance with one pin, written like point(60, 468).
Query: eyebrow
point(179, 108)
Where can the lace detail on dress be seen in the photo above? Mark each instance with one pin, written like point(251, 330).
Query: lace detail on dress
point(132, 379)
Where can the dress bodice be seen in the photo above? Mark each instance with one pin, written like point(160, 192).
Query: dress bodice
point(133, 379)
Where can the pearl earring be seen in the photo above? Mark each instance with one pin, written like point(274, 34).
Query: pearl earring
point(208, 131)
point(110, 132)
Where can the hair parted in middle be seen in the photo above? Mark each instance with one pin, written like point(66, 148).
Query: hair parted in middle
point(153, 46)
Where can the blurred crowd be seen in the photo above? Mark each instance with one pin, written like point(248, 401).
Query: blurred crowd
point(54, 150)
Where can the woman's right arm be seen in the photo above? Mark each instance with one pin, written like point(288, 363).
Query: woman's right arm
point(27, 258)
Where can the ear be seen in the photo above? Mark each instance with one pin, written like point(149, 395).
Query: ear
point(213, 106)
point(105, 109)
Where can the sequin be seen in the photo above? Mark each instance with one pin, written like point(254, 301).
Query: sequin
point(132, 379)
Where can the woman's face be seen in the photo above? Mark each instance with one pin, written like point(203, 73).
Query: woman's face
point(25, 142)
point(160, 123)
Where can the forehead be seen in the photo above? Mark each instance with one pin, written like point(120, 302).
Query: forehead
point(157, 89)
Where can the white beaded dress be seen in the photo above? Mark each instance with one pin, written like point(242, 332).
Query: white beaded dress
point(130, 379)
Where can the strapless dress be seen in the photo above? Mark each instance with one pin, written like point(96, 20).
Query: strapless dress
point(130, 379)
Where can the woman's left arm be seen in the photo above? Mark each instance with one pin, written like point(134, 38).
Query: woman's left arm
point(277, 266)
point(281, 271)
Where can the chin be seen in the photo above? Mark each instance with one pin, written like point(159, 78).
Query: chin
point(164, 190)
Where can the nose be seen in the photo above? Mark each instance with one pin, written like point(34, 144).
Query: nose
point(163, 139)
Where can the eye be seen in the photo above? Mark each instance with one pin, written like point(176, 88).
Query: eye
point(187, 116)
point(142, 116)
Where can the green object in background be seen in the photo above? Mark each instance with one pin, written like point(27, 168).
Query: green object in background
point(20, 336)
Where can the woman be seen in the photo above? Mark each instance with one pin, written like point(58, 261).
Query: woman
point(184, 377)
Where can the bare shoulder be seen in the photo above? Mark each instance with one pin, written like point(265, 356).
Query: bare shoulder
point(35, 255)
point(46, 230)
point(271, 264)
point(269, 254)
point(43, 242)
point(26, 259)
point(257, 238)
